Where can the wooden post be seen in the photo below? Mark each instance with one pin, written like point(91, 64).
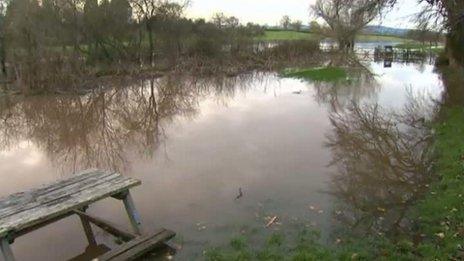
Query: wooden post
point(106, 226)
point(132, 213)
point(6, 250)
point(88, 230)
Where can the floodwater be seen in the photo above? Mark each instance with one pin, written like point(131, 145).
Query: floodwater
point(195, 142)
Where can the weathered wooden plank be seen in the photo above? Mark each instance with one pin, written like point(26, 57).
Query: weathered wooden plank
point(54, 197)
point(57, 195)
point(47, 222)
point(63, 205)
point(29, 199)
point(13, 198)
point(26, 209)
point(91, 253)
point(106, 226)
point(138, 247)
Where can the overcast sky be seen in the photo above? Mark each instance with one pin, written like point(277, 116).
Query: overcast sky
point(270, 11)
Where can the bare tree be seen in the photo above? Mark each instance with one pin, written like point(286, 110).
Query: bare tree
point(297, 25)
point(285, 22)
point(346, 18)
point(146, 11)
point(315, 27)
point(449, 15)
point(219, 19)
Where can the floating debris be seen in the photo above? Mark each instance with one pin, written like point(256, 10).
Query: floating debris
point(272, 221)
point(202, 228)
point(240, 194)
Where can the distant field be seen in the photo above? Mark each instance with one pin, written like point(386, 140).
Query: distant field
point(286, 35)
point(292, 35)
point(381, 38)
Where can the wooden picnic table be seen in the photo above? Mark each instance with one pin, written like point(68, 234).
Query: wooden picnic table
point(24, 212)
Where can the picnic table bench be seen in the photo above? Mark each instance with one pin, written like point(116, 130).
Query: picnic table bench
point(27, 211)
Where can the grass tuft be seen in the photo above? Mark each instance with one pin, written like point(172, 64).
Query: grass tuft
point(325, 74)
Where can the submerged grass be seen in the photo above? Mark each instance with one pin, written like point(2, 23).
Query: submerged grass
point(324, 74)
point(439, 230)
point(276, 248)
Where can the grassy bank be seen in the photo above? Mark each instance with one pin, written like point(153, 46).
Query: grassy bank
point(441, 213)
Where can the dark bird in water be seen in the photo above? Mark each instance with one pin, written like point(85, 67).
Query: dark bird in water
point(240, 194)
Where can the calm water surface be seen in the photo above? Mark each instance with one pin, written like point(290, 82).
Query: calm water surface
point(194, 143)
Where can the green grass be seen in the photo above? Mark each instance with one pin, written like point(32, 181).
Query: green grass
point(416, 46)
point(293, 35)
point(276, 248)
point(286, 36)
point(441, 213)
point(323, 74)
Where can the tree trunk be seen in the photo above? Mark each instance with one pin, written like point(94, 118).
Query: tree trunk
point(455, 38)
point(150, 40)
point(3, 56)
point(346, 44)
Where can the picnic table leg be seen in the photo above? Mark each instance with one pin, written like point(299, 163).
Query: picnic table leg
point(6, 250)
point(88, 230)
point(132, 213)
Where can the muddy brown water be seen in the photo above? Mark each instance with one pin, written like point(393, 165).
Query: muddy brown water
point(194, 143)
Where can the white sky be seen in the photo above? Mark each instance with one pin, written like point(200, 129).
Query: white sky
point(270, 11)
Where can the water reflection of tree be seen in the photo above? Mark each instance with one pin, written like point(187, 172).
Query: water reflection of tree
point(226, 88)
point(8, 124)
point(103, 128)
point(383, 165)
point(340, 94)
point(98, 129)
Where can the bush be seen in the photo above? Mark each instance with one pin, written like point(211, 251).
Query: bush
point(207, 47)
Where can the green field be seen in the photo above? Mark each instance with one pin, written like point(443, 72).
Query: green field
point(293, 35)
point(380, 38)
point(287, 36)
point(416, 46)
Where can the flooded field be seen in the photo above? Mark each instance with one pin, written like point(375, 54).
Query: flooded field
point(196, 143)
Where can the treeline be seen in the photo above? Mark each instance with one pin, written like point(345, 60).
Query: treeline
point(57, 42)
point(426, 36)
